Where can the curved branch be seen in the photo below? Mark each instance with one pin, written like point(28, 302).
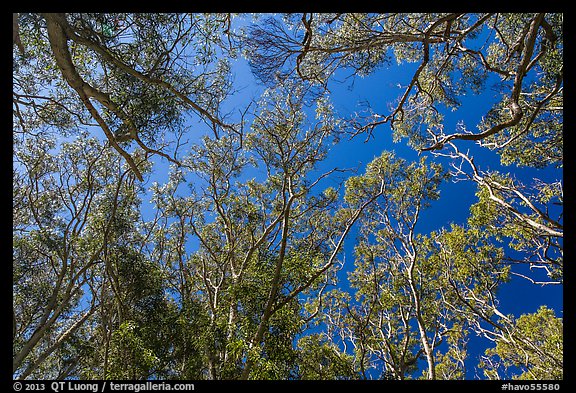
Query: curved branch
point(108, 56)
point(515, 109)
point(59, 43)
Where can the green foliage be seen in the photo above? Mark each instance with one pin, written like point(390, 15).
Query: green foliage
point(319, 359)
point(235, 270)
point(526, 224)
point(533, 349)
point(130, 358)
point(451, 364)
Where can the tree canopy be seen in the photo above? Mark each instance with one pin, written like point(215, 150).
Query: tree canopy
point(168, 225)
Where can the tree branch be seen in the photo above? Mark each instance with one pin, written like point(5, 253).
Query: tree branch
point(56, 24)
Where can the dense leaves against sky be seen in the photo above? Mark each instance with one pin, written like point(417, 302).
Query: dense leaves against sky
point(165, 226)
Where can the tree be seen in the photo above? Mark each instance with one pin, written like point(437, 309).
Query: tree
point(538, 357)
point(258, 247)
point(409, 299)
point(128, 73)
point(526, 219)
point(68, 207)
point(164, 227)
point(520, 47)
point(457, 54)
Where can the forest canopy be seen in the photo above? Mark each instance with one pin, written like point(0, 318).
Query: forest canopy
point(180, 212)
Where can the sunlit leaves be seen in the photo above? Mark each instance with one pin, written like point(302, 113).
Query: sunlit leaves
point(321, 360)
point(541, 359)
point(129, 355)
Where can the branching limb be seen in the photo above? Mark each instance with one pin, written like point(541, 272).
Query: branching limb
point(59, 43)
point(516, 112)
